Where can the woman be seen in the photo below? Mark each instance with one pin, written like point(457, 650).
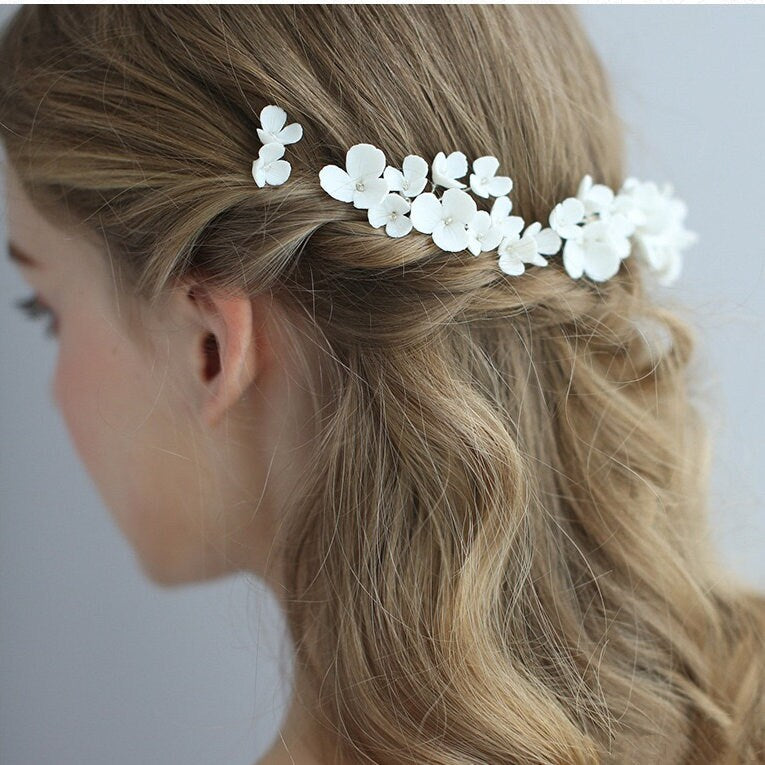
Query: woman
point(479, 496)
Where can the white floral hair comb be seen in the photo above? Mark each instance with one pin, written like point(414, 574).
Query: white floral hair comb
point(600, 227)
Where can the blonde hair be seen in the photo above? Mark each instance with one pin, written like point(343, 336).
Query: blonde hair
point(501, 553)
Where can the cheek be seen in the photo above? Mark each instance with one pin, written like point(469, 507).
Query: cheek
point(134, 443)
point(111, 408)
point(96, 391)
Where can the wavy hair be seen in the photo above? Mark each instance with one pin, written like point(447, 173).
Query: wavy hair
point(501, 551)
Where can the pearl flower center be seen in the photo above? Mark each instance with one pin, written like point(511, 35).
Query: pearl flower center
point(405, 184)
point(448, 220)
point(360, 186)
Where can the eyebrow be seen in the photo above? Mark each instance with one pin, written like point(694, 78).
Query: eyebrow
point(17, 255)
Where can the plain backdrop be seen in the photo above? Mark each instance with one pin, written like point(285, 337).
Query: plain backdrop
point(99, 665)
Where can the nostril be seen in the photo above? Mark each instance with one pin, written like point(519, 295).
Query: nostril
point(212, 357)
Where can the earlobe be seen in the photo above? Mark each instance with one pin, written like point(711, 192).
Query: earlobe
point(228, 355)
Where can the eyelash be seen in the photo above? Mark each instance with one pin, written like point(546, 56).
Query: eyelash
point(34, 308)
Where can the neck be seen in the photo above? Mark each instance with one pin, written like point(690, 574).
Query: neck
point(299, 741)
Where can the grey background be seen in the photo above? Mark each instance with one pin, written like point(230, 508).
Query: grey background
point(97, 664)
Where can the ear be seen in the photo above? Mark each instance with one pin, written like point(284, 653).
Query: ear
point(228, 355)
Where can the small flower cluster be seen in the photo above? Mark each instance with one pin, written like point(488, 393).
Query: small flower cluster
point(269, 168)
point(600, 228)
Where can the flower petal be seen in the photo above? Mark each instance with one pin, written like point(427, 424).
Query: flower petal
point(426, 212)
point(601, 261)
point(548, 242)
point(277, 172)
point(535, 259)
point(291, 134)
point(510, 264)
point(584, 186)
point(573, 258)
point(397, 203)
point(620, 225)
point(671, 271)
point(271, 151)
point(599, 198)
point(512, 226)
point(565, 217)
point(416, 186)
point(401, 226)
point(258, 172)
point(363, 161)
point(500, 185)
point(459, 205)
point(394, 177)
point(414, 166)
point(481, 222)
point(272, 118)
point(491, 239)
point(456, 165)
point(266, 137)
point(337, 183)
point(501, 208)
point(486, 167)
point(378, 215)
point(451, 238)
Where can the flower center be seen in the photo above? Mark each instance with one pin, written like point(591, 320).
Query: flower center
point(405, 184)
point(360, 186)
point(393, 215)
point(448, 220)
point(484, 181)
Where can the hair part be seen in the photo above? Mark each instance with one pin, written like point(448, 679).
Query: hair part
point(501, 552)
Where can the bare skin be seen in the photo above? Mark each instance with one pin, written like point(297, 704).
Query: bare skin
point(194, 466)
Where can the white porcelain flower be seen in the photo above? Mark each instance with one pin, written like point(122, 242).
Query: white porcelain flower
point(446, 218)
point(412, 180)
point(445, 170)
point(485, 182)
point(268, 168)
point(599, 249)
point(360, 182)
point(515, 251)
point(483, 235)
point(566, 216)
point(509, 225)
point(272, 130)
point(548, 242)
point(514, 254)
point(664, 253)
point(487, 230)
point(391, 213)
point(660, 235)
point(596, 197)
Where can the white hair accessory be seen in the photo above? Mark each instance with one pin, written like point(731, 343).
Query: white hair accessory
point(269, 168)
point(600, 228)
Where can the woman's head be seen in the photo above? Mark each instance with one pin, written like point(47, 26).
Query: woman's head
point(479, 496)
point(144, 133)
point(178, 414)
